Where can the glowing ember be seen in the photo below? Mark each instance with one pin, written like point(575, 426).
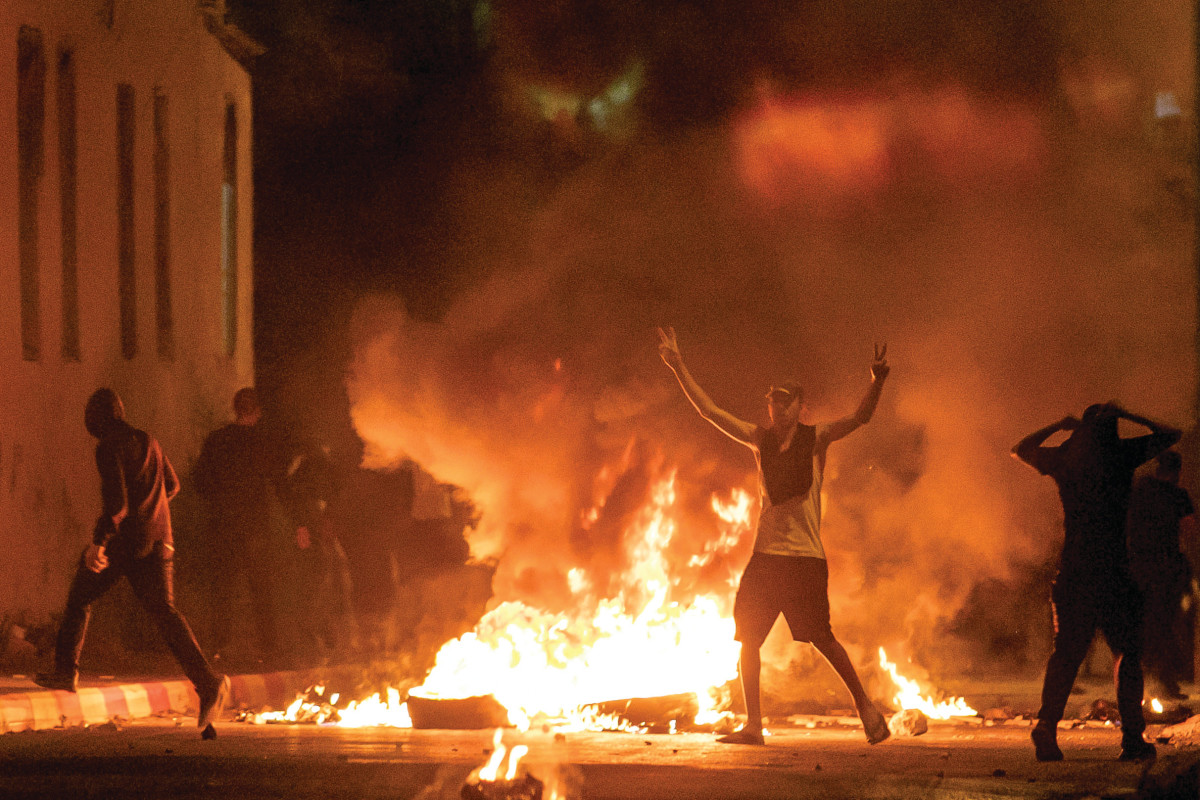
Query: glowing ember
point(908, 695)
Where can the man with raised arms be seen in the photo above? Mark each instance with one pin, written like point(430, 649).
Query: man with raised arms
point(787, 574)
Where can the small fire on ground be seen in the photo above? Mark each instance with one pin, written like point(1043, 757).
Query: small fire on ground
point(909, 696)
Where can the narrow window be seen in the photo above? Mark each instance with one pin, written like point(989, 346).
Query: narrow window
point(162, 230)
point(126, 273)
point(31, 112)
point(68, 151)
point(229, 265)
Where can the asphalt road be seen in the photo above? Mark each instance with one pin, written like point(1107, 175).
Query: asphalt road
point(165, 758)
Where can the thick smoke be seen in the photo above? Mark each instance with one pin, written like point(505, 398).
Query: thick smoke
point(1023, 255)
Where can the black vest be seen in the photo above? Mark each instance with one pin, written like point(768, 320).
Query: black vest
point(790, 473)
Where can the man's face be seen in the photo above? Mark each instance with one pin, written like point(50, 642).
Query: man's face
point(783, 409)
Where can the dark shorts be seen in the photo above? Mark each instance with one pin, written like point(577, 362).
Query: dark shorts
point(797, 587)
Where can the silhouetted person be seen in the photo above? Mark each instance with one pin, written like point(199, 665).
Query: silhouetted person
point(325, 589)
point(1094, 588)
point(238, 472)
point(132, 538)
point(1156, 508)
point(787, 573)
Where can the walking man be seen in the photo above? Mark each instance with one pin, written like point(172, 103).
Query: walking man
point(787, 573)
point(1094, 589)
point(133, 539)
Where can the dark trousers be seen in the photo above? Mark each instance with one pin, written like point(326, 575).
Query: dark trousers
point(152, 580)
point(1112, 604)
point(1167, 646)
point(235, 562)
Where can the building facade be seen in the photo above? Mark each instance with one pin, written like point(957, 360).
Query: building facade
point(125, 253)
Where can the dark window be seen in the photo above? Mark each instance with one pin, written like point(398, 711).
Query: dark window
point(229, 203)
point(68, 151)
point(162, 230)
point(126, 272)
point(31, 115)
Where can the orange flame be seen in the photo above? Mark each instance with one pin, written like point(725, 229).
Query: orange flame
point(908, 695)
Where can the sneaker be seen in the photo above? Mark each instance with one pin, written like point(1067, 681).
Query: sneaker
point(1045, 744)
point(57, 681)
point(744, 736)
point(212, 702)
point(1137, 750)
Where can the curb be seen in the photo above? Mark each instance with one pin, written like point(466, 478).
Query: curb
point(93, 705)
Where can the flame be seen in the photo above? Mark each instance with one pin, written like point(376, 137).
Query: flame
point(1156, 705)
point(908, 695)
point(558, 667)
point(555, 665)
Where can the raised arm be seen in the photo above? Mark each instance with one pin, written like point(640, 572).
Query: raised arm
point(1030, 448)
point(1161, 437)
point(866, 409)
point(731, 426)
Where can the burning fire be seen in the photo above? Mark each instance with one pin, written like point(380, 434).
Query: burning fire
point(486, 782)
point(554, 666)
point(908, 695)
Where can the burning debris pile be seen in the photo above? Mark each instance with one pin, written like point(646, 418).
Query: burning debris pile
point(489, 783)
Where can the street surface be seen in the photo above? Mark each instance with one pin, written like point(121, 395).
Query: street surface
point(166, 758)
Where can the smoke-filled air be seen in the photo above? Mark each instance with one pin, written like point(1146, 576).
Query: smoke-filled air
point(1022, 253)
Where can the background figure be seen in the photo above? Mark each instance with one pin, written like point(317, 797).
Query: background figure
point(1156, 508)
point(238, 473)
point(1094, 589)
point(324, 585)
point(133, 539)
point(435, 538)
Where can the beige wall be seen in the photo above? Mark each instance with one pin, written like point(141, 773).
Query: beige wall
point(48, 488)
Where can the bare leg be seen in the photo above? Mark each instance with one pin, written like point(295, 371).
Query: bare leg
point(837, 657)
point(749, 670)
point(872, 719)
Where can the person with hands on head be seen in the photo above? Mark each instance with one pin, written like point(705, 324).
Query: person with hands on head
point(132, 538)
point(787, 573)
point(1094, 588)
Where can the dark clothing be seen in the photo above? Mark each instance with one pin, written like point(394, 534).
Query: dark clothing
point(1162, 573)
point(795, 586)
point(1156, 508)
point(1079, 609)
point(1094, 588)
point(790, 473)
point(152, 580)
point(325, 588)
point(238, 471)
point(1094, 482)
point(136, 482)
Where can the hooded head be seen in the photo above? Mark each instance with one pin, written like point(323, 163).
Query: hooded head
point(102, 412)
